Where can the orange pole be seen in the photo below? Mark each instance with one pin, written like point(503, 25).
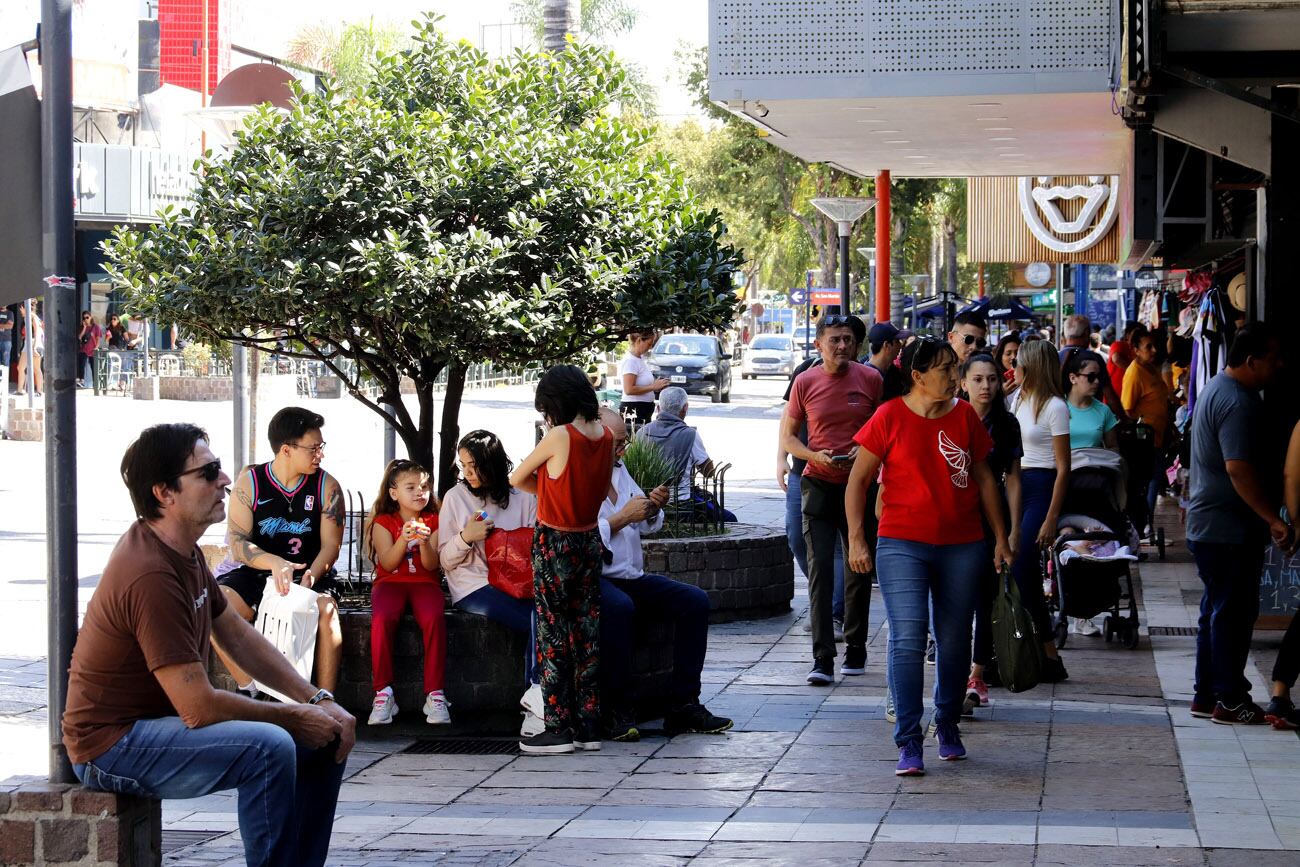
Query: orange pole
point(882, 246)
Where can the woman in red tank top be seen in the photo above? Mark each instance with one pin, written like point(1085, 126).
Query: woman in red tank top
point(402, 540)
point(569, 471)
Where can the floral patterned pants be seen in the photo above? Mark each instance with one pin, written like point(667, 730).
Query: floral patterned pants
point(566, 590)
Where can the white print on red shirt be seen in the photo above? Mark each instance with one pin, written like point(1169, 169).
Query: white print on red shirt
point(957, 458)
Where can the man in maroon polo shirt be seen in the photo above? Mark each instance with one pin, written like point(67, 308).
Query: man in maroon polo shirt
point(834, 399)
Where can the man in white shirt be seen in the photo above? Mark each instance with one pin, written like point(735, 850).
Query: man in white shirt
point(625, 588)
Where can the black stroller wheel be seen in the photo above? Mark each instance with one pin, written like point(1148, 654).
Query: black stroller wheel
point(1131, 637)
point(1061, 633)
point(1108, 628)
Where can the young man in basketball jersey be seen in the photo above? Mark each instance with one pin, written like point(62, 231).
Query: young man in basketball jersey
point(286, 522)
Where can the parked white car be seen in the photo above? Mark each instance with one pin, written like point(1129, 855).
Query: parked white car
point(768, 355)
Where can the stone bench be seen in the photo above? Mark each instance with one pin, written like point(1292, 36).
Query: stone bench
point(748, 573)
point(485, 669)
point(46, 823)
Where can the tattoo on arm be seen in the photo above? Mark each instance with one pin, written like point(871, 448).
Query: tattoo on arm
point(244, 496)
point(334, 510)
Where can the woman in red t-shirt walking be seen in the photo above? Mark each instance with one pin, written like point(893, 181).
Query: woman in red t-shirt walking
point(403, 542)
point(930, 449)
point(569, 471)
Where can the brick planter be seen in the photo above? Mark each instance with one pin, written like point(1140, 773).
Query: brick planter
point(748, 573)
point(485, 669)
point(43, 823)
point(25, 424)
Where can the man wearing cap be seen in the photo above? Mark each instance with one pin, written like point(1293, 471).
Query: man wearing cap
point(886, 343)
point(835, 399)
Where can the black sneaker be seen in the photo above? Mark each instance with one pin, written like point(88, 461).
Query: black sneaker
point(694, 718)
point(822, 673)
point(548, 743)
point(1053, 671)
point(855, 660)
point(620, 727)
point(931, 649)
point(1281, 713)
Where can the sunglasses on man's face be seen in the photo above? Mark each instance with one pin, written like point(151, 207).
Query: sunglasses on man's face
point(979, 342)
point(208, 472)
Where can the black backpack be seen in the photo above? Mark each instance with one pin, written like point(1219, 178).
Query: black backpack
point(1016, 643)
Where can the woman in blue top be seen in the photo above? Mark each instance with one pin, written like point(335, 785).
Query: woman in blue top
point(1092, 424)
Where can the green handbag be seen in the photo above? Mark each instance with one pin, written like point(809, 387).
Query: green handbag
point(1016, 643)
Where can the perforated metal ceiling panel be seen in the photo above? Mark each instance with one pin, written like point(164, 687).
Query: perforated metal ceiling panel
point(838, 38)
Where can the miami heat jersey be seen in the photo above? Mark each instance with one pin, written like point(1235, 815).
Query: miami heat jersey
point(287, 522)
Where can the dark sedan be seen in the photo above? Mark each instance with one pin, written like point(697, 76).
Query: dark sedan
point(694, 362)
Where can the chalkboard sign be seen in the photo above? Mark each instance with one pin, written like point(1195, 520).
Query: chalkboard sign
point(1279, 588)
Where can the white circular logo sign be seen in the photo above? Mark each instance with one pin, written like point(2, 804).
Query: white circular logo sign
point(1040, 205)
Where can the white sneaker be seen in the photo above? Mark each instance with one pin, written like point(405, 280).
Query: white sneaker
point(383, 709)
point(533, 702)
point(435, 710)
point(532, 726)
point(1083, 626)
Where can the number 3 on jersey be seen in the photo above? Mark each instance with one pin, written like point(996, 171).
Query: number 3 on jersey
point(295, 545)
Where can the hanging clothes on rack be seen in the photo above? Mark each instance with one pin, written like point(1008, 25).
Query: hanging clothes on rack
point(1209, 346)
point(1149, 310)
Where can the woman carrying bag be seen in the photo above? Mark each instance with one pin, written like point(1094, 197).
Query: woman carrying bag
point(931, 452)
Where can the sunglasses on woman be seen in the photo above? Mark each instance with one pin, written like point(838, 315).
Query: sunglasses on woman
point(1091, 377)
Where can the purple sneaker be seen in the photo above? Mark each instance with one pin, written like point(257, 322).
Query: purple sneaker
point(950, 746)
point(910, 763)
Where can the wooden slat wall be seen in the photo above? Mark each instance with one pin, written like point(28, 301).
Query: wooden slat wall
point(996, 230)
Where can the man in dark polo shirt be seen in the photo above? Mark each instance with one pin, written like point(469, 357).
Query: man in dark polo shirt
point(142, 718)
point(834, 399)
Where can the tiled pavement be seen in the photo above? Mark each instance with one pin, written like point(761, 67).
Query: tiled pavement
point(1104, 769)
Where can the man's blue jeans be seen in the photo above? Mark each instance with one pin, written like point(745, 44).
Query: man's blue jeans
point(517, 614)
point(287, 793)
point(1229, 606)
point(916, 578)
point(794, 536)
point(685, 605)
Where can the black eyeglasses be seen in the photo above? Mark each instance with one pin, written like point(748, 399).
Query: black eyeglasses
point(979, 342)
point(208, 471)
point(1091, 377)
point(318, 449)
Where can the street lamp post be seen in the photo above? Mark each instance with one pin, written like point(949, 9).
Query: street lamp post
point(845, 211)
point(869, 253)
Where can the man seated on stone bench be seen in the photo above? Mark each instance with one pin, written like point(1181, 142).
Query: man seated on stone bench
point(684, 449)
point(142, 718)
point(626, 589)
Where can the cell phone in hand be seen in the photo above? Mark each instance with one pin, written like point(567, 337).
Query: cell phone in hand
point(840, 459)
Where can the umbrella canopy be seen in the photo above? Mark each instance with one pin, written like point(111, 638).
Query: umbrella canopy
point(1014, 309)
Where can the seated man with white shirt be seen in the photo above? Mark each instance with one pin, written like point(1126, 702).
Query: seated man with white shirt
point(625, 588)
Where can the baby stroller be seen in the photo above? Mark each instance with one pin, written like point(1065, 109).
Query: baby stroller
point(1086, 569)
point(1137, 445)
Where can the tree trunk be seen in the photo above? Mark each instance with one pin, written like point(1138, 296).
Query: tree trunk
point(898, 255)
point(559, 19)
point(449, 436)
point(950, 255)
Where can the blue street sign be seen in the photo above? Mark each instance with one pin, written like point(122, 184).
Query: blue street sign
point(798, 297)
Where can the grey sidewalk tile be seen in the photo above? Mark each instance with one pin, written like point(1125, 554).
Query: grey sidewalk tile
point(660, 814)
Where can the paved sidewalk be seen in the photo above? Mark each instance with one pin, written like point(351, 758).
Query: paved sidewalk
point(1106, 768)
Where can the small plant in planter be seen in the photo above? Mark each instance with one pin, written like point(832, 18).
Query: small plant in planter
point(647, 464)
point(197, 359)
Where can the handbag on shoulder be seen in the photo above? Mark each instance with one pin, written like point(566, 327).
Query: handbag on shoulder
point(510, 561)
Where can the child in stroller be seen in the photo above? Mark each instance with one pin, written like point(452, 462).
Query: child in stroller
point(1086, 570)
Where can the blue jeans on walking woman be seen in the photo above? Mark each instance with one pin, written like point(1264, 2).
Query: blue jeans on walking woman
point(914, 578)
point(1035, 499)
point(287, 793)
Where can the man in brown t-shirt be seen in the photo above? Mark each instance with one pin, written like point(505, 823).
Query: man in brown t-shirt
point(141, 716)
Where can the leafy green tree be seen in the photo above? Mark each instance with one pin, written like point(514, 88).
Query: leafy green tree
point(454, 210)
point(347, 54)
